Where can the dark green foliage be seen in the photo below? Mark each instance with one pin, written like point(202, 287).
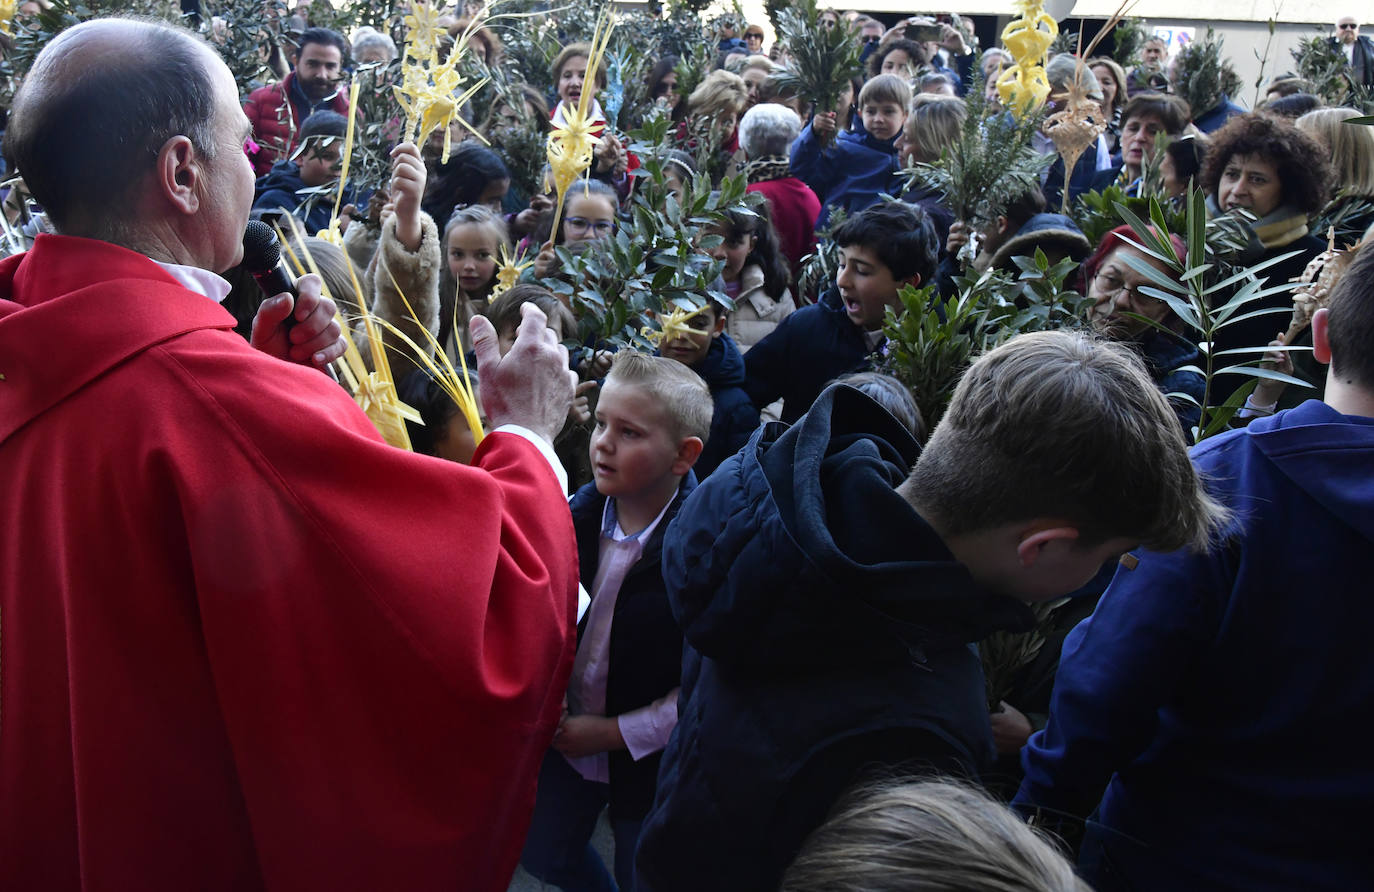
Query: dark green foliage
point(1207, 298)
point(31, 34)
point(1325, 68)
point(933, 340)
point(691, 69)
point(1204, 74)
point(818, 269)
point(989, 164)
point(1128, 39)
point(1065, 41)
point(252, 30)
point(380, 119)
point(656, 262)
point(822, 60)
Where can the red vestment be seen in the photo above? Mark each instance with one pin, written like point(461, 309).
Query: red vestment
point(243, 642)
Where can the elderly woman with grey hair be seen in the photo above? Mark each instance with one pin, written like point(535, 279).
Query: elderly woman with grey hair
point(766, 134)
point(371, 46)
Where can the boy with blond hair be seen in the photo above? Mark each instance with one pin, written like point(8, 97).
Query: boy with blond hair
point(829, 594)
point(860, 165)
point(652, 419)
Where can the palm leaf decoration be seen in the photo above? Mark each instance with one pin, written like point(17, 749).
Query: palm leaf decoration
point(990, 163)
point(823, 59)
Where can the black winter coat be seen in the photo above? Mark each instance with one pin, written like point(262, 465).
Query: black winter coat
point(807, 350)
point(828, 632)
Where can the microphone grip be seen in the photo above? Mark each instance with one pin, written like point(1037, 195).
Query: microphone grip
point(277, 280)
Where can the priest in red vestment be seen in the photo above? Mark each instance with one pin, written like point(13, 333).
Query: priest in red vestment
point(245, 644)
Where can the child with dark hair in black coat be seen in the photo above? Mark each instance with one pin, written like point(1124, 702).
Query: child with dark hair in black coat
point(882, 249)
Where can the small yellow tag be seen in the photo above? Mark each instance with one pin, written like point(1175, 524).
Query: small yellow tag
point(1130, 561)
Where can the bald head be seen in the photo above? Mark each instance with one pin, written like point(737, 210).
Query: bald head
point(99, 102)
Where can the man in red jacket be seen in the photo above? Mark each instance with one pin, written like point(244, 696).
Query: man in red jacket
point(246, 644)
point(314, 84)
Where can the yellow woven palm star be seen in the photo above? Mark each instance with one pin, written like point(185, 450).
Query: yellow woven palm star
point(423, 33)
point(508, 272)
point(7, 10)
point(429, 91)
point(572, 144)
point(674, 327)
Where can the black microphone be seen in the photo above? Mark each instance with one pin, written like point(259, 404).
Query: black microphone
point(262, 258)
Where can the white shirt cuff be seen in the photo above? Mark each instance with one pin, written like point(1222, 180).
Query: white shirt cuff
point(545, 449)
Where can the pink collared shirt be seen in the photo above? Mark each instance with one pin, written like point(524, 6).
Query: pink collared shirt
point(646, 729)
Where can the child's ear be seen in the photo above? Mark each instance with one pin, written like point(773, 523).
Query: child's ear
point(1035, 540)
point(719, 328)
point(914, 281)
point(1321, 336)
point(688, 451)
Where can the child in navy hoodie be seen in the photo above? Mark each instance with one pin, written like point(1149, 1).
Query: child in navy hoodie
point(858, 166)
point(707, 350)
point(651, 421)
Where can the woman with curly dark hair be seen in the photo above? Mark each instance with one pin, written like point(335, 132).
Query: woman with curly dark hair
point(902, 57)
point(1267, 167)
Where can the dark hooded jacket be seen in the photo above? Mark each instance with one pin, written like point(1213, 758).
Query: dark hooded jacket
point(1219, 699)
point(808, 350)
point(735, 416)
point(848, 174)
point(280, 189)
point(828, 632)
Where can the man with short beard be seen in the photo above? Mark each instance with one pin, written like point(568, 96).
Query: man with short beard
point(314, 84)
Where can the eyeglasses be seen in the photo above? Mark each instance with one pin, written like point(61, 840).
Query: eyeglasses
point(1348, 27)
point(1113, 285)
point(579, 225)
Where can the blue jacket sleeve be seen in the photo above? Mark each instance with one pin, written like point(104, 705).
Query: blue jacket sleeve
point(812, 165)
point(1118, 668)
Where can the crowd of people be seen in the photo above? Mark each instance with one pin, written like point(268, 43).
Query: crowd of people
point(724, 587)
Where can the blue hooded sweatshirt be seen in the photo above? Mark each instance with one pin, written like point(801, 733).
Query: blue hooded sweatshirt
point(827, 630)
point(850, 174)
point(1222, 699)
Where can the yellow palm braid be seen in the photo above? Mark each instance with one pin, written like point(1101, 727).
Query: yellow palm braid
point(429, 91)
point(571, 145)
point(374, 391)
point(455, 385)
point(1024, 86)
point(332, 233)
